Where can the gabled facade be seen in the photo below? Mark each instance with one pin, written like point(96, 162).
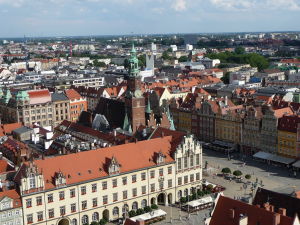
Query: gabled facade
point(10, 208)
point(80, 188)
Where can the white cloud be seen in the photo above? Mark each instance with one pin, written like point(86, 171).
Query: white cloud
point(179, 5)
point(234, 4)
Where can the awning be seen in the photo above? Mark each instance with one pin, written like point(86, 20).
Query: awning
point(148, 216)
point(297, 164)
point(273, 157)
point(262, 155)
point(201, 201)
point(281, 159)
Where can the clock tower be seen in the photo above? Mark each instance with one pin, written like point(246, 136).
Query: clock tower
point(134, 99)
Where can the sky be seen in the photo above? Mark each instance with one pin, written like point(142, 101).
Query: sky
point(120, 17)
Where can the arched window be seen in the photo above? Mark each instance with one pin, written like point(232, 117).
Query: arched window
point(95, 216)
point(116, 211)
point(179, 194)
point(144, 203)
point(85, 220)
point(74, 222)
point(32, 181)
point(134, 206)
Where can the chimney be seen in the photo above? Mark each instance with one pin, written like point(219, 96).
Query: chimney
point(282, 211)
point(271, 208)
point(231, 213)
point(276, 219)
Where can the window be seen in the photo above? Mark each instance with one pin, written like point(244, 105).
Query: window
point(61, 195)
point(186, 179)
point(83, 190)
point(191, 161)
point(197, 159)
point(29, 218)
point(170, 170)
point(124, 194)
point(51, 213)
point(152, 186)
point(197, 176)
point(169, 183)
point(143, 176)
point(105, 199)
point(161, 172)
point(115, 197)
point(152, 174)
point(40, 216)
point(133, 177)
point(62, 210)
point(85, 219)
point(185, 162)
point(73, 207)
point(32, 181)
point(179, 180)
point(179, 164)
point(124, 180)
point(115, 182)
point(39, 200)
point(72, 193)
point(84, 205)
point(28, 203)
point(104, 185)
point(95, 202)
point(134, 192)
point(94, 187)
point(144, 189)
point(192, 178)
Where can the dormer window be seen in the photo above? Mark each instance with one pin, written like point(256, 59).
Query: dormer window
point(60, 179)
point(160, 159)
point(114, 167)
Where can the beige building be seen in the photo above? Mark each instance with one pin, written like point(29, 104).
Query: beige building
point(109, 182)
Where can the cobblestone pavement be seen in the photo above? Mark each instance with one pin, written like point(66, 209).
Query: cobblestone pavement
point(272, 177)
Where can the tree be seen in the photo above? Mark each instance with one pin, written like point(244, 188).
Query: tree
point(183, 59)
point(226, 78)
point(226, 170)
point(126, 64)
point(209, 187)
point(248, 176)
point(237, 173)
point(102, 222)
point(139, 211)
point(147, 209)
point(132, 213)
point(142, 60)
point(154, 206)
point(239, 50)
point(94, 223)
point(99, 64)
point(183, 200)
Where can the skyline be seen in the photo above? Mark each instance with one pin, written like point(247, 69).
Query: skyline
point(117, 17)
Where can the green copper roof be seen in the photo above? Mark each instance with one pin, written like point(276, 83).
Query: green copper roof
point(170, 118)
point(148, 109)
point(134, 63)
point(22, 95)
point(1, 92)
point(126, 123)
point(7, 96)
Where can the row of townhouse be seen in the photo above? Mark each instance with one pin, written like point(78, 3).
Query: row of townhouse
point(41, 106)
point(249, 129)
point(107, 182)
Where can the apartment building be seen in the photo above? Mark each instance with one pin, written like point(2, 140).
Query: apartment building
point(77, 104)
point(105, 183)
point(10, 208)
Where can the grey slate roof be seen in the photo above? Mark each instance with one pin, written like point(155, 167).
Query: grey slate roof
point(56, 97)
point(22, 130)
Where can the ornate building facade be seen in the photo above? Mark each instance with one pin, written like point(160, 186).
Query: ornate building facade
point(108, 182)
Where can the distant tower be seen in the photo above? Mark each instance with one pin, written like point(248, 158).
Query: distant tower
point(71, 49)
point(134, 99)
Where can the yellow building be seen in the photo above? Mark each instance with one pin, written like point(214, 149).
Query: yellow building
point(228, 124)
point(106, 183)
point(288, 144)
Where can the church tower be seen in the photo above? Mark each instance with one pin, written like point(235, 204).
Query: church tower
point(134, 99)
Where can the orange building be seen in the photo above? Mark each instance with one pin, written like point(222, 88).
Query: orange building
point(77, 104)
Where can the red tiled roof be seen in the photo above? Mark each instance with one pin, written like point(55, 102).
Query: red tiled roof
point(284, 111)
point(8, 128)
point(229, 212)
point(93, 164)
point(13, 194)
point(39, 96)
point(4, 167)
point(72, 94)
